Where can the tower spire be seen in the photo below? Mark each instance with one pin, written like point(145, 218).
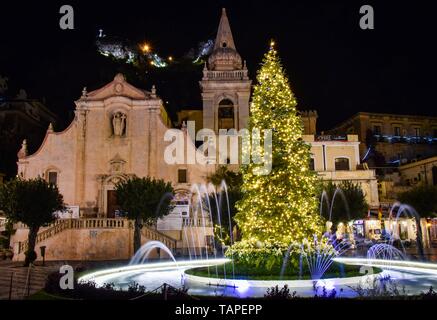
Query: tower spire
point(224, 34)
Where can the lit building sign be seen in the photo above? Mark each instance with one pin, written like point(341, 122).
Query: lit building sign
point(331, 138)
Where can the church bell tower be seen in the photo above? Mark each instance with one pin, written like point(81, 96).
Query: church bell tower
point(225, 85)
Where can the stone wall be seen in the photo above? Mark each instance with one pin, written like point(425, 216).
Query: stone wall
point(82, 244)
point(102, 239)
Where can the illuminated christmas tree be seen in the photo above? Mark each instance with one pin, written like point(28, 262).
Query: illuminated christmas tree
point(280, 207)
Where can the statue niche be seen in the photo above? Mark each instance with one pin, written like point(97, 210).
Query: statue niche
point(119, 124)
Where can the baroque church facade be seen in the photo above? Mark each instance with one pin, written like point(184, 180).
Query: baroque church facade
point(118, 132)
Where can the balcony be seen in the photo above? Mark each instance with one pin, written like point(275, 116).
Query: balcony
point(405, 139)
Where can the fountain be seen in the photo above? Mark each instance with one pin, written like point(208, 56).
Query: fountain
point(407, 210)
point(316, 255)
point(385, 253)
point(319, 255)
point(330, 205)
point(143, 253)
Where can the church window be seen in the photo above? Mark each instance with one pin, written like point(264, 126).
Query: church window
point(52, 177)
point(226, 114)
point(182, 176)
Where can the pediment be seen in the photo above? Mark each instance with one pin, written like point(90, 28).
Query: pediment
point(117, 159)
point(117, 164)
point(118, 87)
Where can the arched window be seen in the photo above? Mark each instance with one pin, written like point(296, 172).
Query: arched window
point(226, 114)
point(52, 176)
point(342, 164)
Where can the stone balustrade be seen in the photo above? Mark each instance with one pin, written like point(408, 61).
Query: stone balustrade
point(226, 75)
point(96, 223)
point(158, 236)
point(196, 222)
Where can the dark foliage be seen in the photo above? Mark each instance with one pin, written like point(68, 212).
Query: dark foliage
point(419, 198)
point(274, 293)
point(32, 202)
point(354, 206)
point(144, 200)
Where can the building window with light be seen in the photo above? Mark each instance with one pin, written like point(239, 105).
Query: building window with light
point(182, 176)
point(342, 164)
point(417, 132)
point(397, 131)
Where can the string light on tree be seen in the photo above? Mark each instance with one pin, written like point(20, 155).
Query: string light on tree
point(282, 206)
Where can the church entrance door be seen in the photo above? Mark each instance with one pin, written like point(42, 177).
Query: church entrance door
point(112, 205)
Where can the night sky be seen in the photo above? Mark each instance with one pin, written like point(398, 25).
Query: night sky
point(334, 67)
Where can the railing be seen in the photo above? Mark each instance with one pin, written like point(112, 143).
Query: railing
point(193, 222)
point(405, 139)
point(226, 75)
point(158, 236)
point(76, 224)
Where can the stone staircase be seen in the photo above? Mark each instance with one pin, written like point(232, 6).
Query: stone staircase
point(20, 276)
point(152, 234)
point(98, 223)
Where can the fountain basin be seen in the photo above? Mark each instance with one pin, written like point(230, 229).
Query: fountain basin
point(264, 284)
point(400, 265)
point(152, 275)
point(416, 276)
point(107, 274)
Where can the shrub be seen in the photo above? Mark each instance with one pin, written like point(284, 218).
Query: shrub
point(380, 287)
point(429, 295)
point(91, 291)
point(136, 288)
point(325, 293)
point(274, 293)
point(262, 257)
